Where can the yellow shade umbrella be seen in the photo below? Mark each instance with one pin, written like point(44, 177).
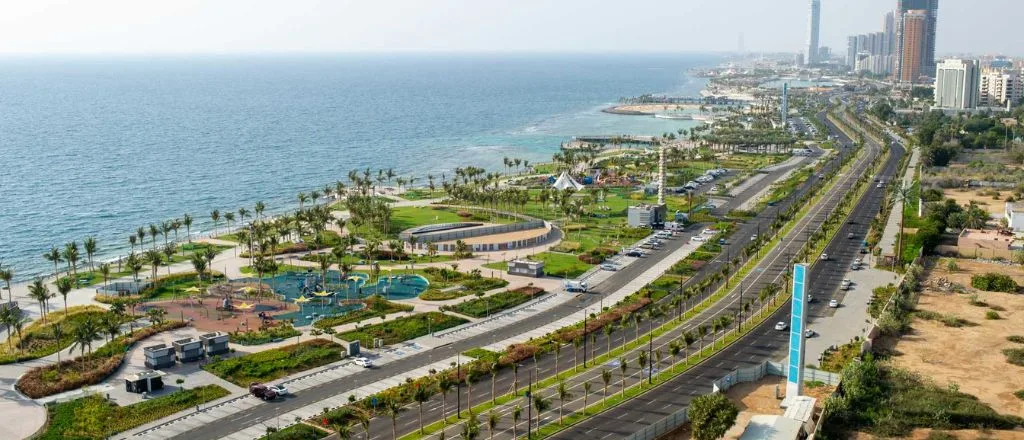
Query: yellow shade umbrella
point(322, 293)
point(249, 290)
point(301, 300)
point(192, 289)
point(354, 278)
point(245, 306)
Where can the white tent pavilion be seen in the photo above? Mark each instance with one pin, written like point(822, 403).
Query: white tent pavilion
point(564, 181)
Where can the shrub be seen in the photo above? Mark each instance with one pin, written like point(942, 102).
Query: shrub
point(1019, 394)
point(991, 314)
point(374, 306)
point(994, 282)
point(299, 431)
point(1016, 338)
point(95, 417)
point(279, 362)
point(1014, 356)
point(402, 329)
point(37, 339)
point(273, 333)
point(480, 307)
point(949, 320)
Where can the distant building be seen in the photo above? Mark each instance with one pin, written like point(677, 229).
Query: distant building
point(1014, 213)
point(1000, 88)
point(814, 22)
point(957, 84)
point(526, 268)
point(923, 47)
point(913, 47)
point(640, 216)
point(824, 54)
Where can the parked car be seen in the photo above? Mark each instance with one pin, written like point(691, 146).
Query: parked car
point(855, 266)
point(845, 285)
point(849, 235)
point(634, 253)
point(781, 326)
point(262, 391)
point(363, 362)
point(609, 267)
point(709, 231)
point(833, 304)
point(809, 333)
point(697, 238)
point(824, 256)
point(281, 390)
point(753, 237)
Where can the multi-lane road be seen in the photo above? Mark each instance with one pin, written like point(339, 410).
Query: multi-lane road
point(262, 413)
point(764, 343)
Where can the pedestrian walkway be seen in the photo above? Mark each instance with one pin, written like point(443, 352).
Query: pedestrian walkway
point(892, 225)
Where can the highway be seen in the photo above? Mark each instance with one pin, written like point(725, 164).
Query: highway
point(764, 343)
point(408, 421)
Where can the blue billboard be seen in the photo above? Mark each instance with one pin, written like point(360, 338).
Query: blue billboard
point(798, 316)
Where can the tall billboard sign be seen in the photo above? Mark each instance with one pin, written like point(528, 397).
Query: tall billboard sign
point(798, 318)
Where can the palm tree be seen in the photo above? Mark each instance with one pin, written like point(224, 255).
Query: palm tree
point(421, 395)
point(470, 377)
point(90, 250)
point(558, 353)
point(8, 317)
point(215, 216)
point(364, 419)
point(470, 429)
point(540, 404)
point(64, 288)
point(343, 430)
point(444, 385)
point(111, 325)
point(608, 329)
point(41, 293)
point(58, 332)
point(169, 251)
point(493, 368)
point(392, 407)
point(54, 257)
point(641, 360)
point(85, 333)
point(623, 366)
point(187, 221)
point(576, 344)
point(7, 275)
point(140, 233)
point(586, 394)
point(517, 413)
point(492, 422)
point(132, 239)
point(229, 218)
point(154, 231)
point(154, 258)
point(606, 377)
point(302, 197)
point(70, 255)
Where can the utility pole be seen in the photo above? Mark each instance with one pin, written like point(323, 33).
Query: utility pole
point(529, 407)
point(650, 351)
point(584, 340)
point(458, 386)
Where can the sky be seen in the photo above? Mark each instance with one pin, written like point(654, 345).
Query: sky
point(247, 26)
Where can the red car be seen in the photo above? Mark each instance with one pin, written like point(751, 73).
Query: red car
point(262, 391)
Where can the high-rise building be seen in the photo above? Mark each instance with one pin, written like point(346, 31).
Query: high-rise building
point(930, 9)
point(913, 46)
point(1000, 88)
point(851, 51)
point(814, 21)
point(957, 84)
point(888, 41)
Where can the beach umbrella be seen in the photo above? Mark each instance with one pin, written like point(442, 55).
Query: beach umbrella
point(302, 300)
point(192, 289)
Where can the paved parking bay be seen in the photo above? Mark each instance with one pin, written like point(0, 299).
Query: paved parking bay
point(851, 319)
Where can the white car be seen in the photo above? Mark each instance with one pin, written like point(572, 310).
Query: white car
point(781, 326)
point(845, 285)
point(609, 267)
point(363, 362)
point(714, 188)
point(808, 333)
point(824, 257)
point(833, 304)
point(709, 231)
point(753, 237)
point(697, 238)
point(281, 390)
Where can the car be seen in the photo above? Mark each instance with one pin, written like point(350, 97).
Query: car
point(878, 186)
point(635, 253)
point(846, 284)
point(833, 304)
point(714, 188)
point(363, 362)
point(753, 237)
point(262, 391)
point(849, 236)
point(281, 390)
point(854, 266)
point(810, 298)
point(824, 256)
point(863, 250)
point(709, 231)
point(809, 333)
point(721, 241)
point(609, 267)
point(781, 326)
point(697, 238)
point(821, 176)
point(858, 261)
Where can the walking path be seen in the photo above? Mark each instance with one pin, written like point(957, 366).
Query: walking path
point(892, 225)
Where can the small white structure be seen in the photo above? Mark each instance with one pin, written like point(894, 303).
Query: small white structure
point(765, 427)
point(1015, 216)
point(565, 181)
point(526, 268)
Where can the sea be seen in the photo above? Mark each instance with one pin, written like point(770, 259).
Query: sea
point(100, 145)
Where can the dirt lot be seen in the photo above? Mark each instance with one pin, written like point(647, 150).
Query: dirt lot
point(964, 196)
point(966, 434)
point(969, 356)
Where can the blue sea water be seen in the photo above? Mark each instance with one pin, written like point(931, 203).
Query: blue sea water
point(97, 146)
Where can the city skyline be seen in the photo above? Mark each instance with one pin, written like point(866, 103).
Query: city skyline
point(52, 27)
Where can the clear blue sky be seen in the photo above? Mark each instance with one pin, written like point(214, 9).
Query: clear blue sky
point(226, 26)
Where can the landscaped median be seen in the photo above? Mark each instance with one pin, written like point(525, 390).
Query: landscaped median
point(402, 329)
point(486, 306)
point(276, 363)
point(95, 417)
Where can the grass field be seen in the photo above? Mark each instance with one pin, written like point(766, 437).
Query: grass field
point(276, 363)
point(556, 264)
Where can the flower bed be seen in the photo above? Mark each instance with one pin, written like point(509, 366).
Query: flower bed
point(470, 286)
point(95, 417)
point(402, 329)
point(86, 370)
point(280, 331)
point(375, 306)
point(481, 307)
point(299, 431)
point(37, 339)
point(275, 363)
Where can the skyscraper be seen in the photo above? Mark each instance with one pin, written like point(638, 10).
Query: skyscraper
point(811, 52)
point(956, 84)
point(930, 8)
point(851, 51)
point(888, 41)
point(913, 46)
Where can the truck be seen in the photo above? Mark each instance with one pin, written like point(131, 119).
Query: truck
point(262, 391)
point(576, 286)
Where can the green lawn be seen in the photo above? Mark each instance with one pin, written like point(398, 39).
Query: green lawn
point(276, 363)
point(420, 194)
point(95, 417)
point(402, 329)
point(37, 339)
point(406, 217)
point(558, 264)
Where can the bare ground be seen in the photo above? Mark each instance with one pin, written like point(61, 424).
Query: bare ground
point(970, 356)
point(964, 196)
